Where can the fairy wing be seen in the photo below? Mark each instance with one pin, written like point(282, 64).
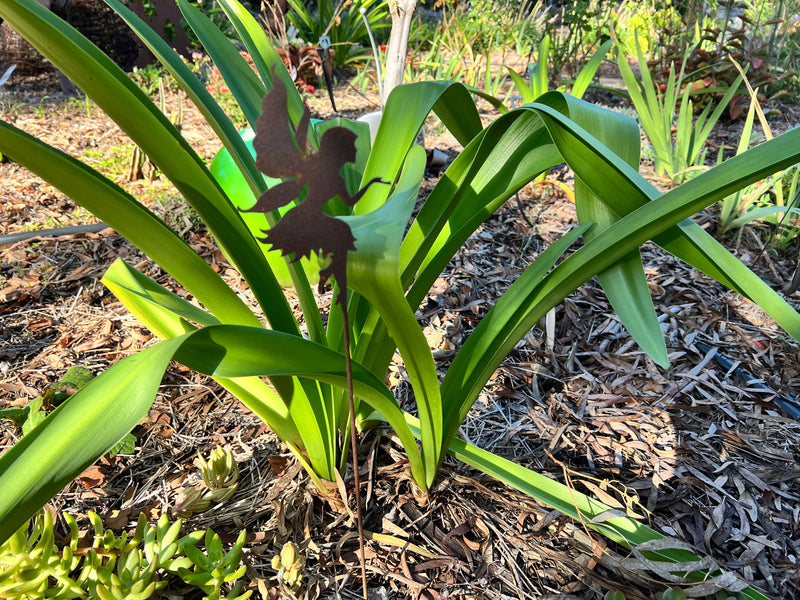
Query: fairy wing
point(280, 150)
point(277, 196)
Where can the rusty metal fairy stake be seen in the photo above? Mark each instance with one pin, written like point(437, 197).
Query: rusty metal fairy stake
point(283, 152)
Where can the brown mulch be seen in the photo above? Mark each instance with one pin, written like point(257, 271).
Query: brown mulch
point(688, 449)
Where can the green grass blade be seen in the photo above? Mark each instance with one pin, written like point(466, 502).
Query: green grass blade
point(721, 106)
point(650, 110)
point(762, 212)
point(542, 84)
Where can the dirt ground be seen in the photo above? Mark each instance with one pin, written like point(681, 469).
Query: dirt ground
point(687, 449)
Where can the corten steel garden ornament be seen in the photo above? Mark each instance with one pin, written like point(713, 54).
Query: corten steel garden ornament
point(283, 152)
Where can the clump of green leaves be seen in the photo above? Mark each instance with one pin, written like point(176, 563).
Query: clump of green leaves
point(342, 23)
point(393, 267)
point(115, 567)
point(771, 200)
point(664, 108)
point(539, 79)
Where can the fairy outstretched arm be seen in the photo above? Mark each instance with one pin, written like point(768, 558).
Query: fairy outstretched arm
point(351, 200)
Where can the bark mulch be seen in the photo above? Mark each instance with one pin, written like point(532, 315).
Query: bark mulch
point(691, 450)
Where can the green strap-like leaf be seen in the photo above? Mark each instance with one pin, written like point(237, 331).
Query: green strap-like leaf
point(227, 351)
point(587, 73)
point(625, 191)
point(497, 162)
point(77, 433)
point(197, 92)
point(626, 235)
point(522, 87)
point(236, 150)
point(248, 91)
point(624, 283)
point(406, 110)
point(496, 335)
point(263, 54)
point(246, 87)
point(121, 276)
point(299, 412)
point(374, 272)
point(587, 511)
point(99, 415)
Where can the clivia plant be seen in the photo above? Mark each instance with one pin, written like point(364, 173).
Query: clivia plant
point(388, 274)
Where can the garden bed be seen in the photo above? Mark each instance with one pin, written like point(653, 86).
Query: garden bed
point(689, 450)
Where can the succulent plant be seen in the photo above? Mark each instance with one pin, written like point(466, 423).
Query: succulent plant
point(221, 470)
point(290, 566)
point(220, 478)
point(115, 567)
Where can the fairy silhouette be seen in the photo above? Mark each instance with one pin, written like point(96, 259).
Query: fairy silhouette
point(283, 152)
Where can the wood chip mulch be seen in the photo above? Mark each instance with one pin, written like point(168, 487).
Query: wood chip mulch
point(692, 450)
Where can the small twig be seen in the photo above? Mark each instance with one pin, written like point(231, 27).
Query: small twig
point(521, 210)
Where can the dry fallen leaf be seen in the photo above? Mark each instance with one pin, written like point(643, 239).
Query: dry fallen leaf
point(92, 477)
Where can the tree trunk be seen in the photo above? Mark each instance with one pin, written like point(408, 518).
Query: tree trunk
point(401, 12)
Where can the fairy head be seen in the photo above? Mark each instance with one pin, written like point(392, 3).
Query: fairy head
point(338, 145)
